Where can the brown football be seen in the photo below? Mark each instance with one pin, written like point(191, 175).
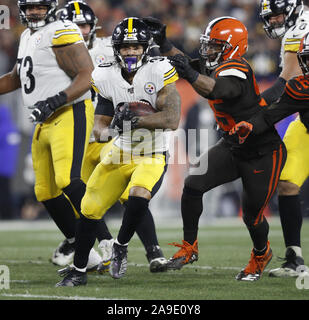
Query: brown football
point(141, 108)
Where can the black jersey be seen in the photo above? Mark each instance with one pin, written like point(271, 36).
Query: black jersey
point(295, 99)
point(236, 97)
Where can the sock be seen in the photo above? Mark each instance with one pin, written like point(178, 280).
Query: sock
point(291, 219)
point(297, 250)
point(146, 231)
point(63, 215)
point(259, 235)
point(191, 210)
point(103, 232)
point(136, 209)
point(86, 231)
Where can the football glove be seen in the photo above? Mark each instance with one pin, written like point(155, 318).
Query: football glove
point(242, 129)
point(183, 68)
point(42, 110)
point(158, 32)
point(124, 119)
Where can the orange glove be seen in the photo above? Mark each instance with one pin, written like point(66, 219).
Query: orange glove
point(243, 129)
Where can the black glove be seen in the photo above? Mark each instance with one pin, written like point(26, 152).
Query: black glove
point(42, 110)
point(124, 119)
point(158, 32)
point(183, 68)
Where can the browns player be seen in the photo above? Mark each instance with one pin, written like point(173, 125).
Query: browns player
point(233, 94)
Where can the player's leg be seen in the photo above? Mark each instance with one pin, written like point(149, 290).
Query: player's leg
point(145, 173)
point(293, 175)
point(221, 168)
point(47, 192)
point(260, 178)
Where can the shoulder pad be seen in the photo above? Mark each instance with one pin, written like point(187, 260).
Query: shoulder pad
point(238, 65)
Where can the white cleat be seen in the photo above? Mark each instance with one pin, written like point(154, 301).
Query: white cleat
point(93, 260)
point(106, 247)
point(63, 255)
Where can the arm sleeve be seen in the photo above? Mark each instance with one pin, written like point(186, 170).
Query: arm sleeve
point(274, 92)
point(104, 107)
point(226, 88)
point(276, 112)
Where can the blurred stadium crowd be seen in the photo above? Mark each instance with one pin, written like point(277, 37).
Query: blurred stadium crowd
point(185, 20)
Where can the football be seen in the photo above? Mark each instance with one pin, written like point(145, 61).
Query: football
point(141, 108)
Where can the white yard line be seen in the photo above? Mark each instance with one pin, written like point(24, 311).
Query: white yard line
point(43, 296)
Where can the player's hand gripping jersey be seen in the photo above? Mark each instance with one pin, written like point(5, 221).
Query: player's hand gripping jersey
point(36, 60)
point(149, 79)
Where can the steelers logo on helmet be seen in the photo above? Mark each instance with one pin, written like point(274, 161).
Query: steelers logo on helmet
point(131, 32)
point(289, 10)
point(36, 21)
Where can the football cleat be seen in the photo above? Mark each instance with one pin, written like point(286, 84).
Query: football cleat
point(187, 254)
point(63, 255)
point(254, 269)
point(289, 267)
point(156, 259)
point(72, 277)
point(118, 265)
point(93, 260)
point(106, 247)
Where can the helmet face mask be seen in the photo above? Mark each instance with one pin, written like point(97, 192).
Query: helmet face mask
point(80, 13)
point(303, 55)
point(224, 38)
point(131, 32)
point(290, 11)
point(36, 22)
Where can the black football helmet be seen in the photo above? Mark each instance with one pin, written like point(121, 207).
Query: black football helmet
point(291, 9)
point(303, 54)
point(80, 13)
point(37, 22)
point(131, 31)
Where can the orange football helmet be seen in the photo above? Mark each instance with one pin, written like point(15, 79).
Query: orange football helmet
point(224, 38)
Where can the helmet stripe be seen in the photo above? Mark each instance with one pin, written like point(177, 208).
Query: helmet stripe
point(77, 8)
point(130, 27)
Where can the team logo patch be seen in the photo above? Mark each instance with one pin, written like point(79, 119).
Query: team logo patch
point(100, 59)
point(150, 88)
point(38, 39)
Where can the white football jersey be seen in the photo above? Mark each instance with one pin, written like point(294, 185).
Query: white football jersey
point(149, 79)
point(102, 51)
point(40, 75)
point(292, 38)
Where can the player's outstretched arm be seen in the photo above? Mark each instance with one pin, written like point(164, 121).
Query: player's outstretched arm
point(168, 104)
point(9, 81)
point(76, 62)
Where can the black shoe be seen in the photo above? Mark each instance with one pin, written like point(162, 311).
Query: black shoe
point(118, 266)
point(72, 277)
point(289, 267)
point(63, 255)
point(156, 259)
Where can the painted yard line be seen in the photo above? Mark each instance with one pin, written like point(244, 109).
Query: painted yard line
point(54, 297)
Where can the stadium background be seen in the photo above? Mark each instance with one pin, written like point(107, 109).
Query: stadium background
point(185, 19)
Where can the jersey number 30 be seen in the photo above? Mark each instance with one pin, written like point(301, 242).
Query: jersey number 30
point(28, 64)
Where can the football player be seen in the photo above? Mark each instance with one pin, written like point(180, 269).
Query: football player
point(101, 51)
point(137, 158)
point(53, 70)
point(294, 99)
point(286, 20)
point(233, 94)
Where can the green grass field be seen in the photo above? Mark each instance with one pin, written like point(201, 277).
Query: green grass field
point(224, 248)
